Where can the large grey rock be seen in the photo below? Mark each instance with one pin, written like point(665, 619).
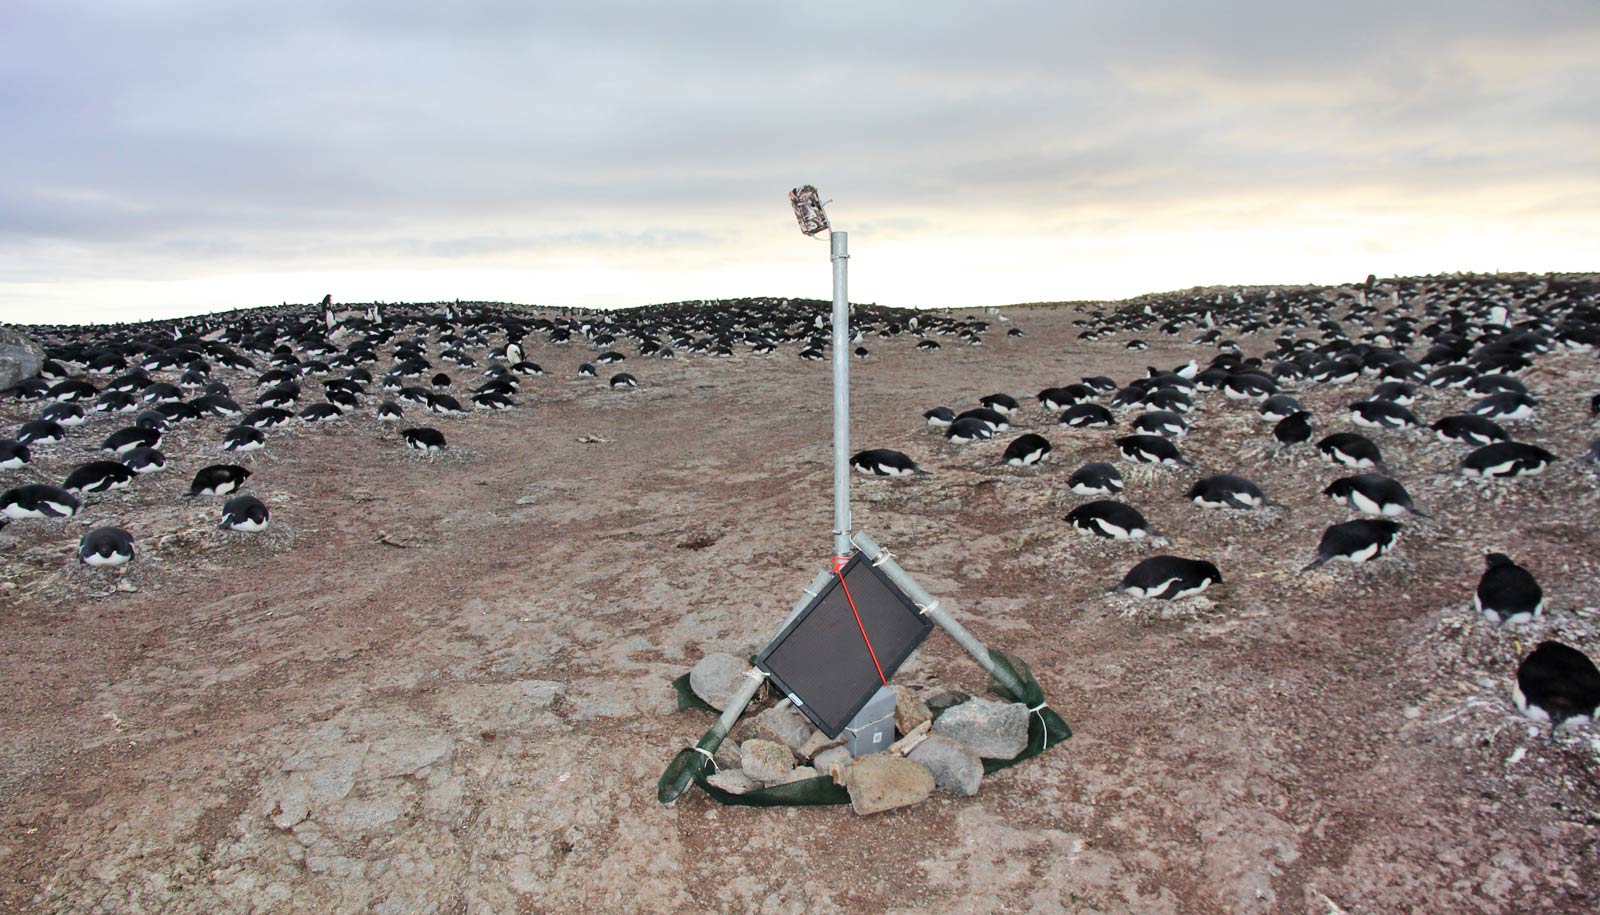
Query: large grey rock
point(883, 782)
point(716, 678)
point(765, 761)
point(956, 767)
point(20, 357)
point(785, 724)
point(733, 781)
point(997, 730)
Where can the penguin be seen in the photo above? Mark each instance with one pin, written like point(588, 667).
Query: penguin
point(266, 418)
point(586, 371)
point(1161, 422)
point(320, 412)
point(440, 382)
point(490, 400)
point(1086, 416)
point(98, 476)
point(445, 405)
point(144, 460)
point(1351, 449)
point(38, 500)
point(862, 353)
point(244, 513)
point(1026, 449)
point(940, 417)
point(1507, 593)
point(1055, 399)
point(1557, 683)
point(106, 547)
point(1004, 404)
point(624, 380)
point(1450, 376)
point(1278, 407)
point(424, 439)
point(1293, 429)
point(218, 480)
point(609, 358)
point(152, 419)
point(1226, 491)
point(1506, 459)
point(66, 415)
point(124, 440)
point(1169, 578)
point(882, 462)
point(1507, 406)
point(1372, 494)
point(40, 432)
point(1382, 414)
point(970, 429)
point(1112, 520)
point(243, 438)
point(217, 405)
point(1396, 392)
point(1100, 383)
point(1357, 541)
point(1466, 429)
point(13, 454)
point(1151, 449)
point(996, 420)
point(928, 345)
point(1095, 479)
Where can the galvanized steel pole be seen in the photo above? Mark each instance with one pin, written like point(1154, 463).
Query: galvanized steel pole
point(841, 395)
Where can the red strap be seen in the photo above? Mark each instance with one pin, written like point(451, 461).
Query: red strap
point(838, 565)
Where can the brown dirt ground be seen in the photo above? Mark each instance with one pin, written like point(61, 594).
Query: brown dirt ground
point(471, 717)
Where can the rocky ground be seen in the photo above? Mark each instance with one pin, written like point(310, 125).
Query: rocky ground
point(442, 686)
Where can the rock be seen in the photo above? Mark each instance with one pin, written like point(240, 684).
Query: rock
point(941, 702)
point(799, 774)
point(717, 677)
point(733, 781)
point(785, 724)
point(997, 730)
point(956, 767)
point(727, 755)
point(817, 743)
point(20, 357)
point(879, 782)
point(834, 761)
point(765, 760)
point(909, 711)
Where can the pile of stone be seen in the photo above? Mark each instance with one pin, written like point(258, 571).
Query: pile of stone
point(943, 737)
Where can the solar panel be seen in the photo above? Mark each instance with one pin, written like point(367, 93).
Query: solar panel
point(821, 659)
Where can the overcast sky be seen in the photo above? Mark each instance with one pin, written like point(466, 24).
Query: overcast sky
point(162, 157)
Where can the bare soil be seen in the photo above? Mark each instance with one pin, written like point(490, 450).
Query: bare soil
point(442, 686)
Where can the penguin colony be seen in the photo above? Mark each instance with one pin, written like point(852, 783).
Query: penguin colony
point(1454, 360)
point(1450, 368)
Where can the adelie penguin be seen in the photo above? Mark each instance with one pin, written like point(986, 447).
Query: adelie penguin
point(1356, 541)
point(1095, 479)
point(106, 547)
point(243, 438)
point(624, 380)
point(13, 454)
point(970, 429)
point(244, 513)
point(1026, 449)
point(424, 439)
point(1506, 459)
point(37, 500)
point(1227, 491)
point(144, 460)
point(1372, 494)
point(40, 432)
point(1113, 520)
point(1466, 429)
point(1293, 429)
point(884, 462)
point(1004, 404)
point(1382, 414)
point(98, 476)
point(125, 440)
point(218, 480)
point(1169, 578)
point(1151, 449)
point(1507, 593)
point(1557, 683)
point(1087, 416)
point(389, 412)
point(1161, 422)
point(1351, 449)
point(940, 417)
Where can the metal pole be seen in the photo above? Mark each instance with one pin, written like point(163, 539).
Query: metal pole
point(841, 395)
point(931, 609)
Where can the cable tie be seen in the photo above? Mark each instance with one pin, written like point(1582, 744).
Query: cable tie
point(709, 757)
point(925, 609)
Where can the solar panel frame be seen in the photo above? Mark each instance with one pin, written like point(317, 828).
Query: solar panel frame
point(820, 659)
